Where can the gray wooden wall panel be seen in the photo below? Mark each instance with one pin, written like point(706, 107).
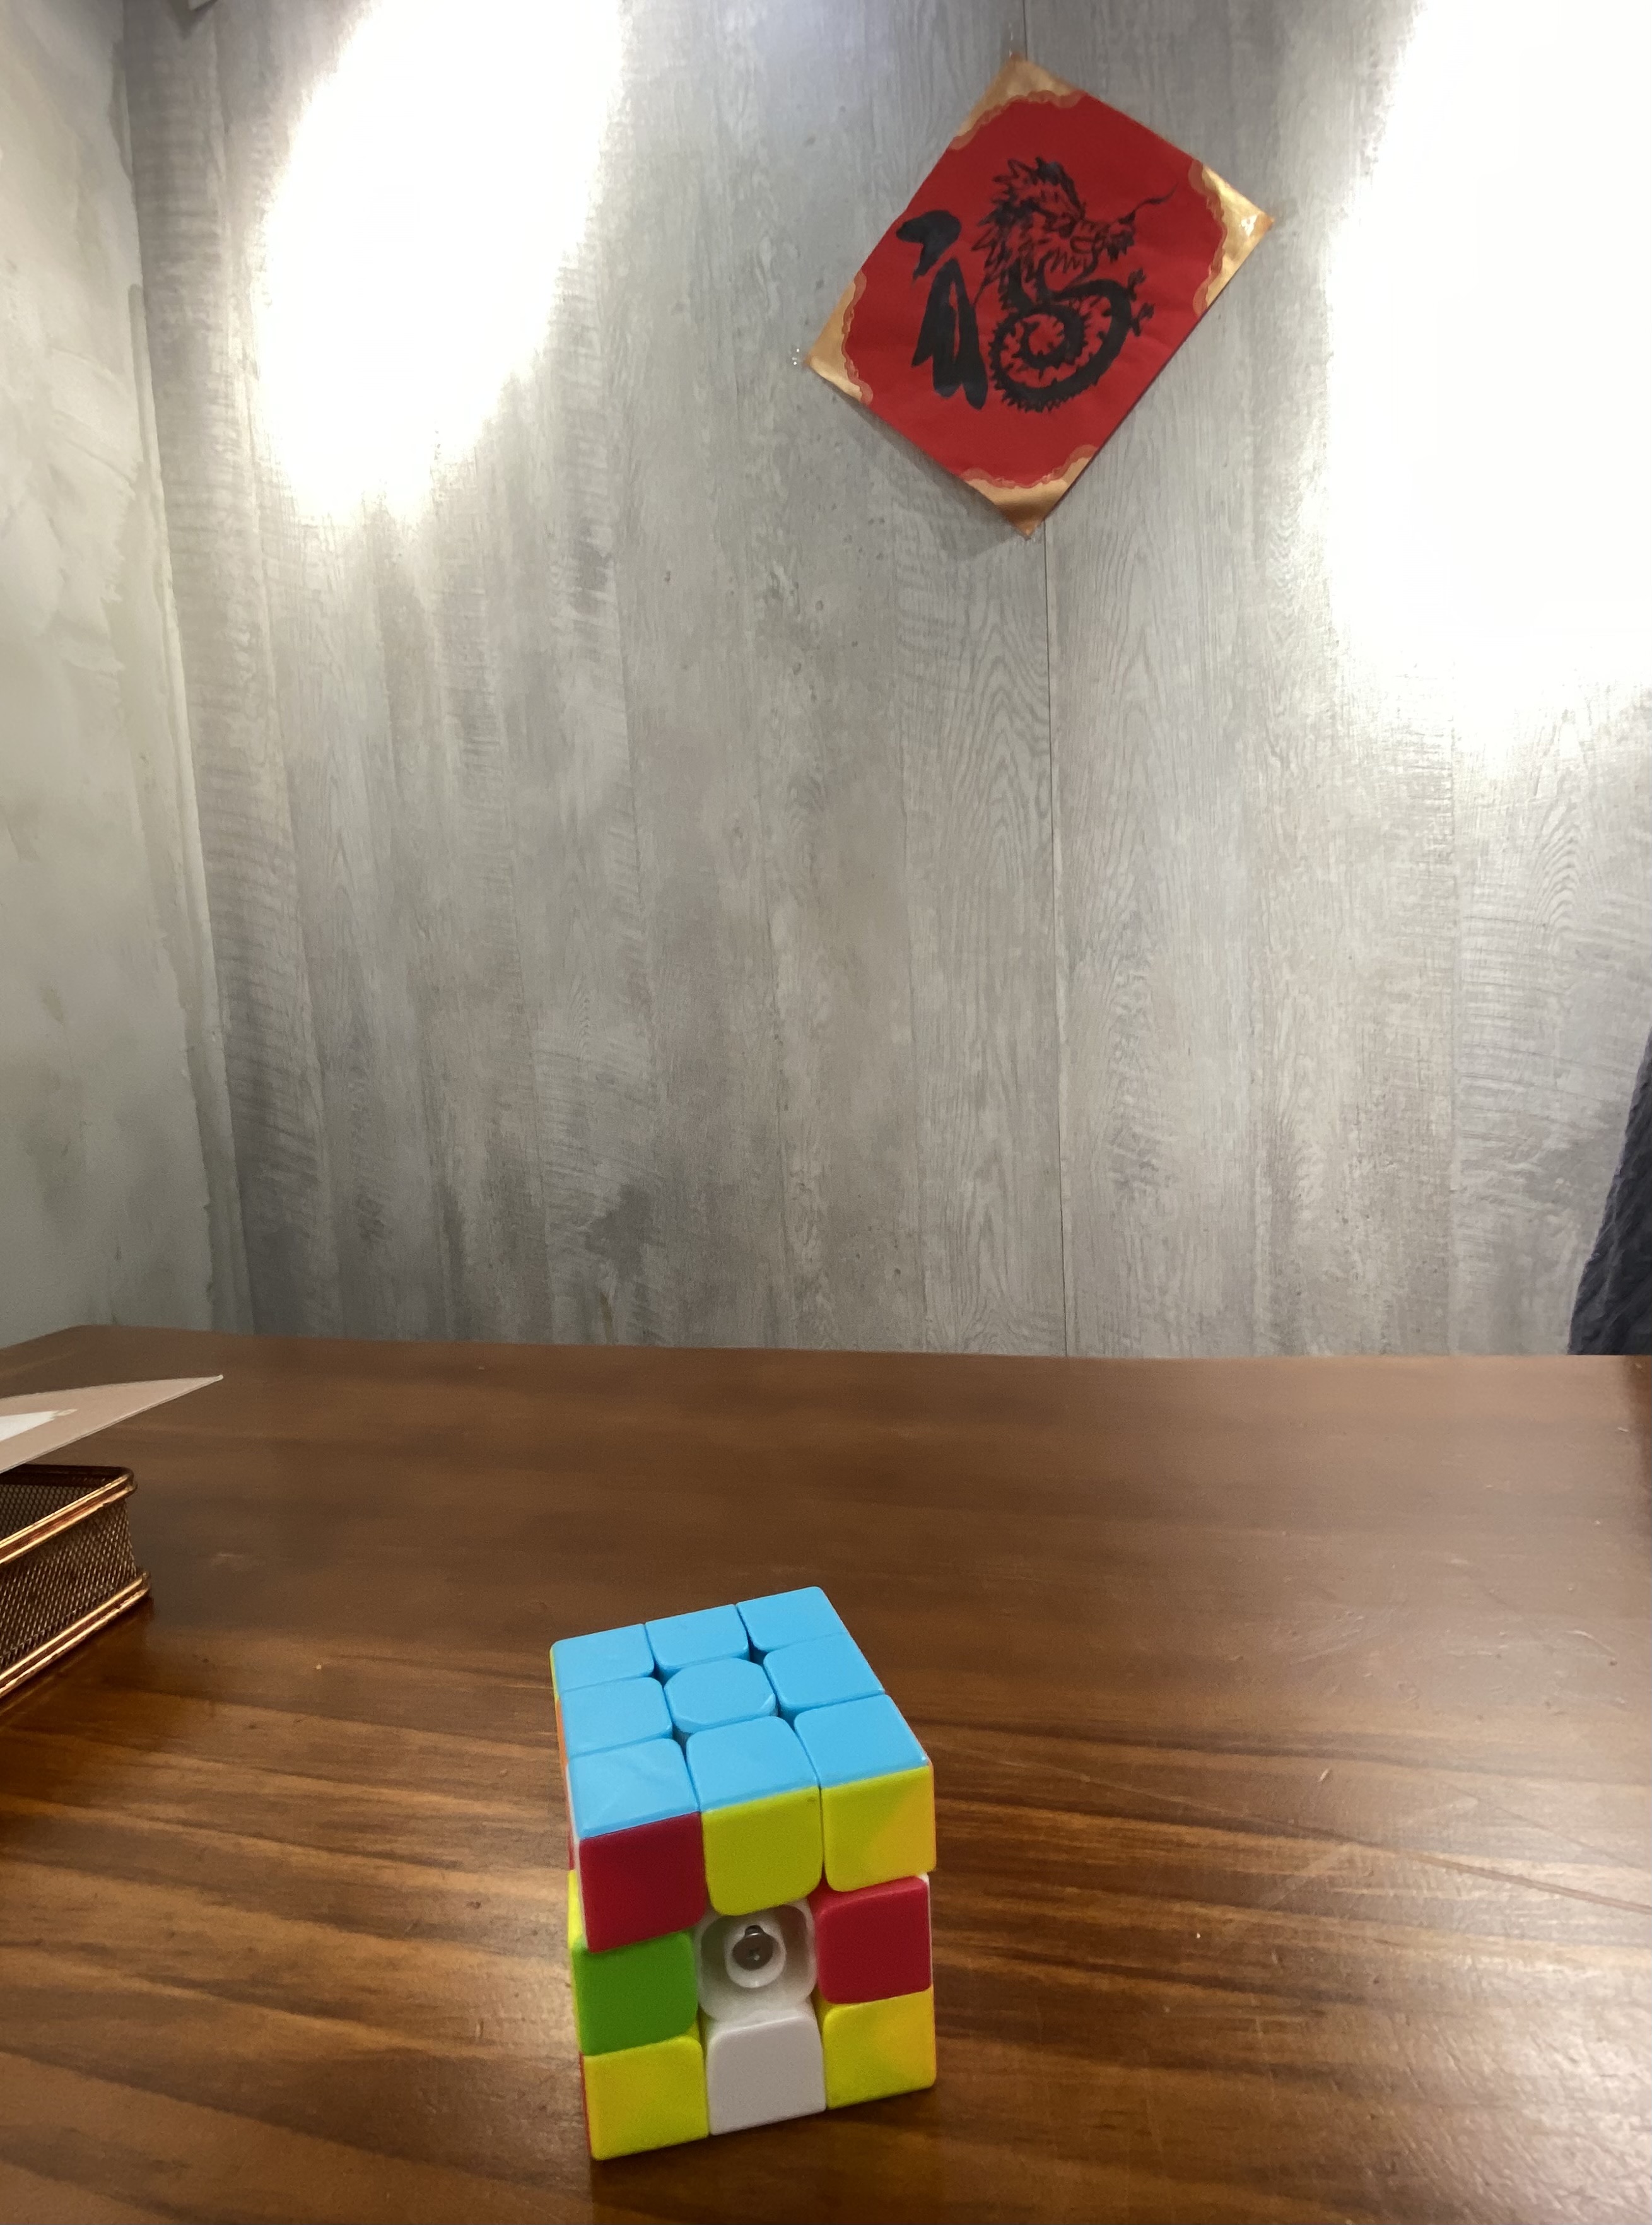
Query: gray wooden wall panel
point(582, 922)
point(970, 701)
point(684, 567)
point(821, 638)
point(196, 312)
point(327, 680)
point(1350, 813)
point(700, 878)
point(1553, 819)
point(118, 1182)
point(1258, 874)
point(1150, 669)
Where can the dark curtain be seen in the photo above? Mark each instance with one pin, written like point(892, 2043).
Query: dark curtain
point(1613, 1311)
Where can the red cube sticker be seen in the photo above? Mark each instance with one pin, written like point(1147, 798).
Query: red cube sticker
point(872, 1943)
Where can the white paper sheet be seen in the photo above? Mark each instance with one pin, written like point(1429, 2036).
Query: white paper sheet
point(42, 1421)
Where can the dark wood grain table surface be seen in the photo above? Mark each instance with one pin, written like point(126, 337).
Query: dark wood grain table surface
point(1290, 1727)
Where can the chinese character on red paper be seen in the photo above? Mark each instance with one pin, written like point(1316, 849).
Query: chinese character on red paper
point(1046, 270)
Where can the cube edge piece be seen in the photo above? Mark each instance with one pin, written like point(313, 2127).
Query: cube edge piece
point(807, 2080)
point(590, 1970)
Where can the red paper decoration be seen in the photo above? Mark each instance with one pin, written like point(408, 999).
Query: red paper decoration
point(1046, 270)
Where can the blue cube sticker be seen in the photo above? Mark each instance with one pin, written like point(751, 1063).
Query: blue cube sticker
point(788, 1618)
point(747, 1761)
point(601, 1657)
point(863, 1738)
point(711, 1633)
point(819, 1673)
point(628, 1785)
point(596, 1717)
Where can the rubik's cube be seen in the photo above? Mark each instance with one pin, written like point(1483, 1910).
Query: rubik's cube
point(752, 1827)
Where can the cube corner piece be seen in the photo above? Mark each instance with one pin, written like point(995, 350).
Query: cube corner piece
point(878, 1792)
point(638, 2098)
point(636, 1841)
point(876, 2049)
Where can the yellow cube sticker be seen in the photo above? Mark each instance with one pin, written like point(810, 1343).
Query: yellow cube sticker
point(879, 1828)
point(762, 1853)
point(877, 2048)
point(646, 2097)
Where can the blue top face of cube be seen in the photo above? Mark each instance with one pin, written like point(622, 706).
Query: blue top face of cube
point(628, 1785)
point(595, 1716)
point(747, 1761)
point(862, 1738)
point(788, 1618)
point(712, 1633)
point(818, 1673)
point(713, 1693)
point(602, 1658)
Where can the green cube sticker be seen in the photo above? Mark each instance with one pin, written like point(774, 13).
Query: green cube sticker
point(629, 1996)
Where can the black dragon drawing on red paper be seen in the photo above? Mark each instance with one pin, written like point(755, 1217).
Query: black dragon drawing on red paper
point(1062, 322)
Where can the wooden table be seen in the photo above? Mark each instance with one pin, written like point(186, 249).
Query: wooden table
point(1290, 1722)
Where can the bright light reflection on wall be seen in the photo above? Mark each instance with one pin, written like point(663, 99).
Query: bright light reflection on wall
point(437, 183)
point(1487, 489)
